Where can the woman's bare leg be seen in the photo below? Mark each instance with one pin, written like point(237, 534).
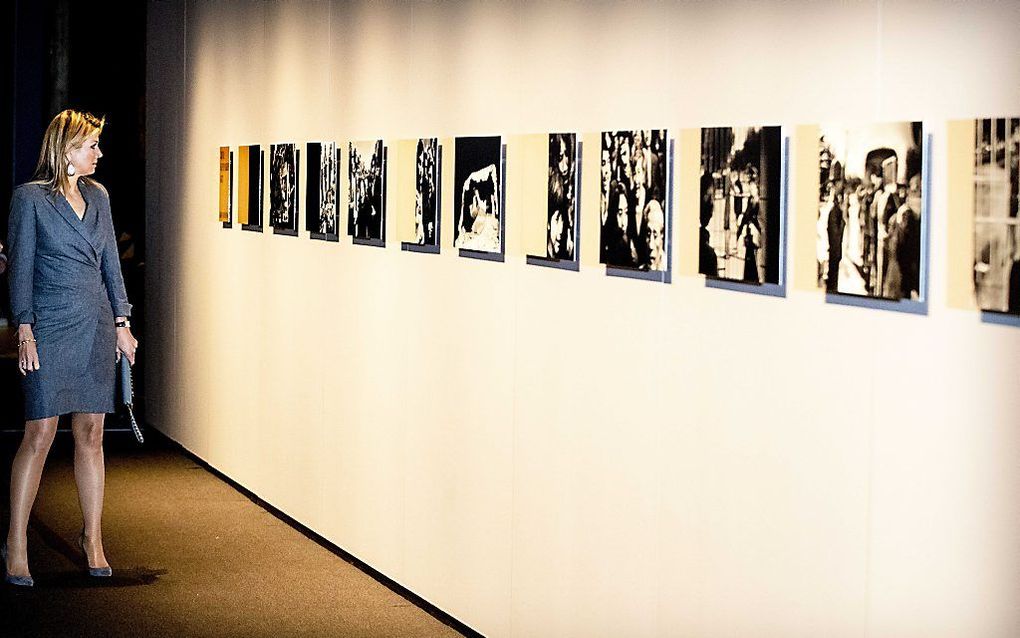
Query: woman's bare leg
point(90, 474)
point(25, 475)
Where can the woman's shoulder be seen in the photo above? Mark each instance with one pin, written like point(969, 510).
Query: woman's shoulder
point(34, 188)
point(28, 194)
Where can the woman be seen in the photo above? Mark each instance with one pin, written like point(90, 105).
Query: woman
point(71, 311)
point(620, 250)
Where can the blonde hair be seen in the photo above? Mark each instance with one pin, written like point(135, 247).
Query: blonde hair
point(68, 130)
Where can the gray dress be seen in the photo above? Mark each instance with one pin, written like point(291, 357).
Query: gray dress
point(65, 280)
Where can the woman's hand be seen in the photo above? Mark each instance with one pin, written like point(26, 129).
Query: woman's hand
point(126, 344)
point(28, 356)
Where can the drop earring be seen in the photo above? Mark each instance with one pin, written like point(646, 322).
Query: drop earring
point(70, 170)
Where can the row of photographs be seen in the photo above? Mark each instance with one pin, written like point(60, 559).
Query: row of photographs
point(870, 202)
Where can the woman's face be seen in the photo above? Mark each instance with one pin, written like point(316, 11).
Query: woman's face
point(85, 157)
point(625, 156)
point(555, 231)
point(621, 213)
point(563, 164)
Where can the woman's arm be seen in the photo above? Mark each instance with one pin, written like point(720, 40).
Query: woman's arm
point(112, 275)
point(21, 246)
point(114, 280)
point(21, 240)
point(126, 342)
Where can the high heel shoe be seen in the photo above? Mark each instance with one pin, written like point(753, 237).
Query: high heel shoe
point(95, 572)
point(20, 581)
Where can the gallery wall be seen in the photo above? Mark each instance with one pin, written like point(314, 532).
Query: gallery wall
point(540, 452)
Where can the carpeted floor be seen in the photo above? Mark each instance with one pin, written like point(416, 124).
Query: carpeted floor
point(191, 557)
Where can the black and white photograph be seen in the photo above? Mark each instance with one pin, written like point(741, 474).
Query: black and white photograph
point(633, 204)
point(426, 200)
point(561, 217)
point(366, 216)
point(870, 206)
point(478, 179)
point(996, 224)
point(740, 216)
point(323, 188)
point(283, 188)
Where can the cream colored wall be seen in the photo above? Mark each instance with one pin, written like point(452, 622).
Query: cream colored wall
point(547, 453)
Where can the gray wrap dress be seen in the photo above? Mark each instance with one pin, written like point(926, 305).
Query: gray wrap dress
point(65, 280)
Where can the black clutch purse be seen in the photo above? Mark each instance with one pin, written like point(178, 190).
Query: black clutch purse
point(127, 394)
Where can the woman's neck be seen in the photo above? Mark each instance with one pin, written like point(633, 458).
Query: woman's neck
point(72, 185)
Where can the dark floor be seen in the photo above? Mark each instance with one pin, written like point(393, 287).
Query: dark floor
point(191, 557)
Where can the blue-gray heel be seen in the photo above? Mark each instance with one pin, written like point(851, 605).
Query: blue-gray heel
point(20, 581)
point(95, 572)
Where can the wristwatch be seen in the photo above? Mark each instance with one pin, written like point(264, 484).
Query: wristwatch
point(124, 324)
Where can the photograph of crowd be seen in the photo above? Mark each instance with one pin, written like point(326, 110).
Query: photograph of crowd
point(321, 190)
point(478, 177)
point(869, 210)
point(366, 216)
point(426, 200)
point(283, 187)
point(996, 224)
point(561, 234)
point(634, 199)
point(740, 216)
point(249, 187)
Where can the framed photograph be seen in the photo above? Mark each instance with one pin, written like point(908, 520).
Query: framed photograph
point(996, 224)
point(249, 187)
point(478, 198)
point(634, 200)
point(366, 214)
point(322, 215)
point(739, 203)
point(226, 186)
point(426, 193)
point(562, 227)
point(283, 189)
point(870, 205)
